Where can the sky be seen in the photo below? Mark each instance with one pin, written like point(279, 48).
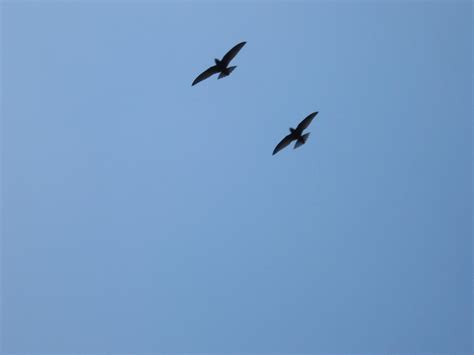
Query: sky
point(143, 215)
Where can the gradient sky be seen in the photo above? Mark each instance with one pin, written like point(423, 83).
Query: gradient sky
point(143, 215)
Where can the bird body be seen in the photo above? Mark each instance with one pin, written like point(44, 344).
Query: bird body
point(296, 134)
point(221, 66)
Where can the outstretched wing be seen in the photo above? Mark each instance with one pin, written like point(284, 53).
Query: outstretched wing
point(206, 74)
point(284, 142)
point(305, 123)
point(232, 53)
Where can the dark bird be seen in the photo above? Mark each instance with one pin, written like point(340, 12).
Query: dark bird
point(222, 66)
point(296, 134)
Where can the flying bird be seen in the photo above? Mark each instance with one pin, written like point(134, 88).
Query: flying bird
point(296, 134)
point(221, 66)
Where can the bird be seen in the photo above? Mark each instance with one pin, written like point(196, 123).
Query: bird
point(296, 134)
point(221, 66)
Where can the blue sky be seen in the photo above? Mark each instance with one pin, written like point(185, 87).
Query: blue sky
point(143, 215)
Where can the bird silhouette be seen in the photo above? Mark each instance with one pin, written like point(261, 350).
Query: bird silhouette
point(296, 134)
point(221, 66)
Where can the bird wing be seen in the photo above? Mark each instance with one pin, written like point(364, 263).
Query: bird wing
point(305, 123)
point(283, 143)
point(232, 53)
point(206, 74)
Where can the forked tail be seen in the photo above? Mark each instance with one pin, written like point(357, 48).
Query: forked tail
point(226, 72)
point(301, 140)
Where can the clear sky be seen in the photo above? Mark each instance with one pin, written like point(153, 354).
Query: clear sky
point(143, 215)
